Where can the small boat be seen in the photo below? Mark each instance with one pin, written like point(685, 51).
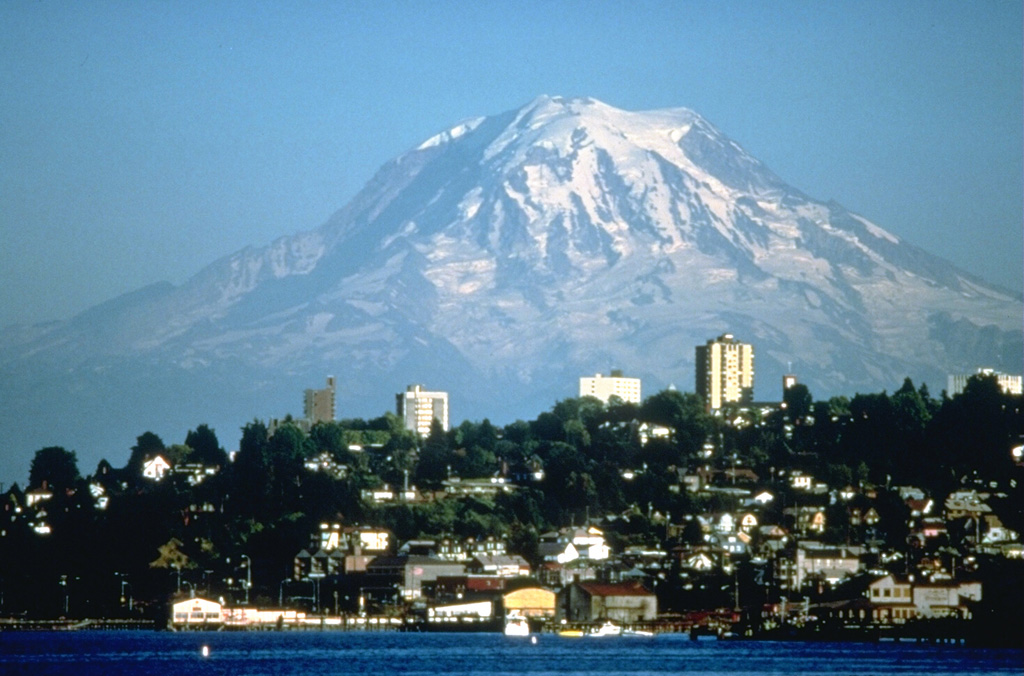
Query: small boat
point(606, 629)
point(516, 625)
point(571, 633)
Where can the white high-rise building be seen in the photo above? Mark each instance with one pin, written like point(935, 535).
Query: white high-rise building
point(725, 371)
point(1007, 383)
point(614, 385)
point(418, 408)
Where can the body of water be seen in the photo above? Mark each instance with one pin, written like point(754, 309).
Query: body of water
point(326, 653)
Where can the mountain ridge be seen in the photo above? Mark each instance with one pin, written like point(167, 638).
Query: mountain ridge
point(514, 253)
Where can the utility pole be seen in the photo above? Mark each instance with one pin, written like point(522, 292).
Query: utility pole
point(248, 576)
point(64, 583)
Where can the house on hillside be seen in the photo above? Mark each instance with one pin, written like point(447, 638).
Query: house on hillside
point(335, 549)
point(413, 576)
point(155, 468)
point(569, 544)
point(824, 564)
point(501, 565)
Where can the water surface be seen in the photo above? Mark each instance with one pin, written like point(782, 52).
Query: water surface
point(327, 653)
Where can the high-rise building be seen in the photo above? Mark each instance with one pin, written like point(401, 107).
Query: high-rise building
point(418, 408)
point(615, 385)
point(1007, 383)
point(725, 372)
point(318, 405)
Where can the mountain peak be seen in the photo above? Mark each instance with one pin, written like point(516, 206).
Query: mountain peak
point(512, 254)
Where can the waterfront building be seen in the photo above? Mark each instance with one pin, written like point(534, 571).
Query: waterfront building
point(418, 408)
point(530, 602)
point(614, 385)
point(196, 613)
point(725, 372)
point(623, 602)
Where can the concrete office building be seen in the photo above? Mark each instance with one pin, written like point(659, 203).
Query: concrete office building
point(1007, 383)
point(615, 385)
point(725, 372)
point(418, 408)
point(318, 405)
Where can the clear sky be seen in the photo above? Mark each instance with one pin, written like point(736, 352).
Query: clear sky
point(142, 140)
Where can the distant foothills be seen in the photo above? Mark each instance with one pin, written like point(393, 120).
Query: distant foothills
point(885, 512)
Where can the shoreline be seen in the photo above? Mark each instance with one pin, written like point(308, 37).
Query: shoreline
point(924, 633)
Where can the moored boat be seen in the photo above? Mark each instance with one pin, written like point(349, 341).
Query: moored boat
point(606, 629)
point(516, 625)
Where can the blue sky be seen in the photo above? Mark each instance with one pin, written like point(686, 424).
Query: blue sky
point(140, 141)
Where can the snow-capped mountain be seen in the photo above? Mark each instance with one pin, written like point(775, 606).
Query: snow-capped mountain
point(502, 259)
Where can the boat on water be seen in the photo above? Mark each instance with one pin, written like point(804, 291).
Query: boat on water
point(606, 629)
point(516, 625)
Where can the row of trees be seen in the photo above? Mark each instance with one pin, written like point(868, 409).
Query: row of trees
point(260, 509)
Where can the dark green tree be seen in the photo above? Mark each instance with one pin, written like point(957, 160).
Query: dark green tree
point(798, 401)
point(435, 457)
point(684, 413)
point(252, 473)
point(205, 447)
point(55, 467)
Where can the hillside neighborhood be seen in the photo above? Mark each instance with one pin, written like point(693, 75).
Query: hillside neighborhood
point(879, 515)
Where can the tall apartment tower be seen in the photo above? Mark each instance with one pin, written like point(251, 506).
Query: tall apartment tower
point(725, 371)
point(614, 385)
point(318, 405)
point(418, 408)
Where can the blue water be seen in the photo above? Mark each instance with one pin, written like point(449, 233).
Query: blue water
point(325, 653)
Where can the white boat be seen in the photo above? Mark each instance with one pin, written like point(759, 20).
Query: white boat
point(516, 625)
point(606, 629)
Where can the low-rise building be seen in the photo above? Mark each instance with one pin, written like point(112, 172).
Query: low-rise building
point(896, 599)
point(196, 613)
point(614, 385)
point(569, 544)
point(500, 565)
point(626, 603)
point(530, 602)
point(814, 561)
point(412, 576)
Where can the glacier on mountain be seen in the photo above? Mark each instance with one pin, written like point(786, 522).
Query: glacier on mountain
point(505, 257)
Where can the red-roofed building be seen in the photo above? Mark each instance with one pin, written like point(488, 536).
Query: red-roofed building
point(625, 602)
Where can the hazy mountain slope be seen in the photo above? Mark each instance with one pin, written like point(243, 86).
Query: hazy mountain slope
point(501, 260)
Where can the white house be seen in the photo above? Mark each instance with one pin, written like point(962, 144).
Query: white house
point(570, 544)
point(155, 468)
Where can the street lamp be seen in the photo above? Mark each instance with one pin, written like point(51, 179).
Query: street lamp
point(125, 583)
point(316, 591)
point(280, 592)
point(64, 583)
point(248, 576)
